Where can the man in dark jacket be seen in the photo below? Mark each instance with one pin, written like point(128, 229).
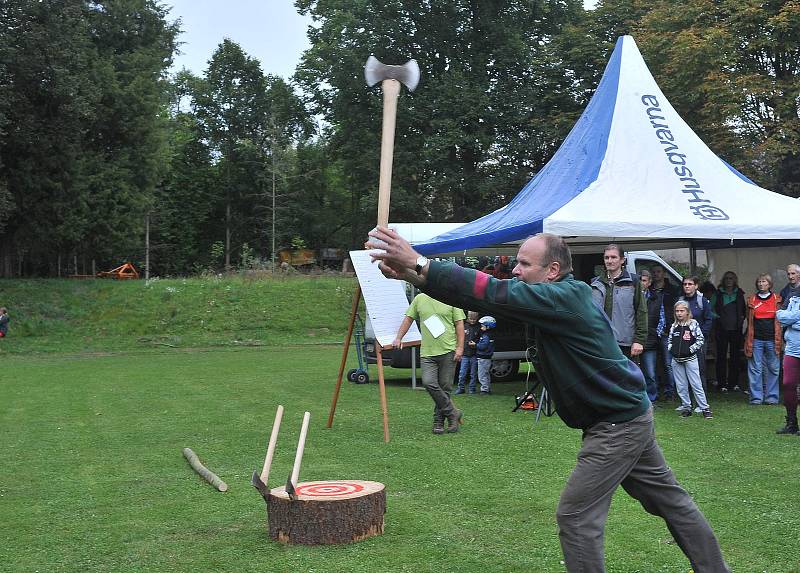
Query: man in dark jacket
point(700, 307)
point(792, 288)
point(655, 325)
point(669, 294)
point(593, 385)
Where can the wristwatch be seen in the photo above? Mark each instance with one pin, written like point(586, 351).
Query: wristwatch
point(421, 262)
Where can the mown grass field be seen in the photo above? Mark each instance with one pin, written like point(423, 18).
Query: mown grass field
point(93, 479)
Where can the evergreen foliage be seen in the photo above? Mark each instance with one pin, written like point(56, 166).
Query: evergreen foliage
point(96, 141)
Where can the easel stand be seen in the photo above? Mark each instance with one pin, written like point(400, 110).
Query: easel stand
point(378, 355)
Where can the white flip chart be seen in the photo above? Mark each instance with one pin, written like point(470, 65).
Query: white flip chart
point(385, 299)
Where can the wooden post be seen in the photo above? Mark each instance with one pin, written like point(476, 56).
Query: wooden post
point(345, 350)
point(382, 388)
point(147, 246)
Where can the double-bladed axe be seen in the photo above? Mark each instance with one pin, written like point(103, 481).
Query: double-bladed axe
point(390, 77)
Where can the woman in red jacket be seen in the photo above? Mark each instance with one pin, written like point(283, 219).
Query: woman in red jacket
point(762, 344)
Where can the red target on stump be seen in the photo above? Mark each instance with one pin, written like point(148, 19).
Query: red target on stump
point(329, 488)
point(327, 512)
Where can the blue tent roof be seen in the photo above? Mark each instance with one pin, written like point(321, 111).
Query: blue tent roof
point(573, 167)
point(629, 149)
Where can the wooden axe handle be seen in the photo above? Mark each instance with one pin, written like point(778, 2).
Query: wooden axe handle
point(391, 90)
point(273, 439)
point(301, 445)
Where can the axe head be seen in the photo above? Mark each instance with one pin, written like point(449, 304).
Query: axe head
point(407, 74)
point(290, 489)
point(260, 485)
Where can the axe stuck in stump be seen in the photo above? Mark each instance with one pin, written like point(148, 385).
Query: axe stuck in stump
point(260, 481)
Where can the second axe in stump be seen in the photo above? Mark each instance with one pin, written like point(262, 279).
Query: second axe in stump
point(390, 77)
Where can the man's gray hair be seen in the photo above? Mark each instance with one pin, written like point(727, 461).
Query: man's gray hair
point(794, 267)
point(557, 250)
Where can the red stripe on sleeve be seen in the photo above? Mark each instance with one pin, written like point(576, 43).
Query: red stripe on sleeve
point(481, 282)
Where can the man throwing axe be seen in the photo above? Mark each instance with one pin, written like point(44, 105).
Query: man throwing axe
point(594, 386)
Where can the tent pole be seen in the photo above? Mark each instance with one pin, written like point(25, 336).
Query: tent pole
point(692, 258)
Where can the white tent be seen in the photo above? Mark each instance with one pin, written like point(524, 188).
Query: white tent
point(632, 168)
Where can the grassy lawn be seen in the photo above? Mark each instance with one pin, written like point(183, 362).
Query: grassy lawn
point(93, 479)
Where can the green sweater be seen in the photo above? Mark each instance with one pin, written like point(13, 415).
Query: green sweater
point(577, 359)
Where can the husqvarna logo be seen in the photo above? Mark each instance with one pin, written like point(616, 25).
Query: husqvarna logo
point(699, 205)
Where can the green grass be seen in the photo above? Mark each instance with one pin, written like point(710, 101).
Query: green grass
point(102, 384)
point(93, 479)
point(105, 315)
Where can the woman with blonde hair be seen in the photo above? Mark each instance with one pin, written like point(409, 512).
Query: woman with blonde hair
point(762, 343)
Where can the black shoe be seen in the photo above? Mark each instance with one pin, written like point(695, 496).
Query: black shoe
point(438, 427)
point(707, 414)
point(686, 412)
point(459, 391)
point(787, 429)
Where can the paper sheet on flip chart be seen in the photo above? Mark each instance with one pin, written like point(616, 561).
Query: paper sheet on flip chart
point(385, 299)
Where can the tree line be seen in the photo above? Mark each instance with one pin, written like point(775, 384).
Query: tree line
point(103, 151)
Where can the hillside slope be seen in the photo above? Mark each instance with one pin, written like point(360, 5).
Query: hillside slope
point(58, 315)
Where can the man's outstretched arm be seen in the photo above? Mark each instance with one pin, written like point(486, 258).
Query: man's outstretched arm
point(398, 259)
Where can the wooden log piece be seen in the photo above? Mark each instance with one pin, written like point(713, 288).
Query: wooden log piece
point(327, 512)
point(206, 474)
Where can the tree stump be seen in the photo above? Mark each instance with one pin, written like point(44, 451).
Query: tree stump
point(327, 512)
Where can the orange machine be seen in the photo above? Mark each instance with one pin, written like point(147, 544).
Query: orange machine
point(126, 271)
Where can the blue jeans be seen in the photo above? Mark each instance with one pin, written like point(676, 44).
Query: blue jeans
point(649, 360)
point(469, 367)
point(763, 361)
point(668, 388)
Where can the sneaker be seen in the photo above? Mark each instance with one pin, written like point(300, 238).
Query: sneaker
point(707, 414)
point(697, 409)
point(679, 408)
point(485, 392)
point(438, 427)
point(736, 388)
point(459, 390)
point(723, 389)
point(686, 413)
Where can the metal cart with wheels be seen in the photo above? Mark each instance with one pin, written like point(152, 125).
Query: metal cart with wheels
point(359, 375)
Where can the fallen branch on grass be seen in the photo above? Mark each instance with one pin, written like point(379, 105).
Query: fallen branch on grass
point(207, 474)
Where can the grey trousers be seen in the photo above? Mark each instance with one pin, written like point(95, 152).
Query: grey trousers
point(437, 378)
point(627, 454)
